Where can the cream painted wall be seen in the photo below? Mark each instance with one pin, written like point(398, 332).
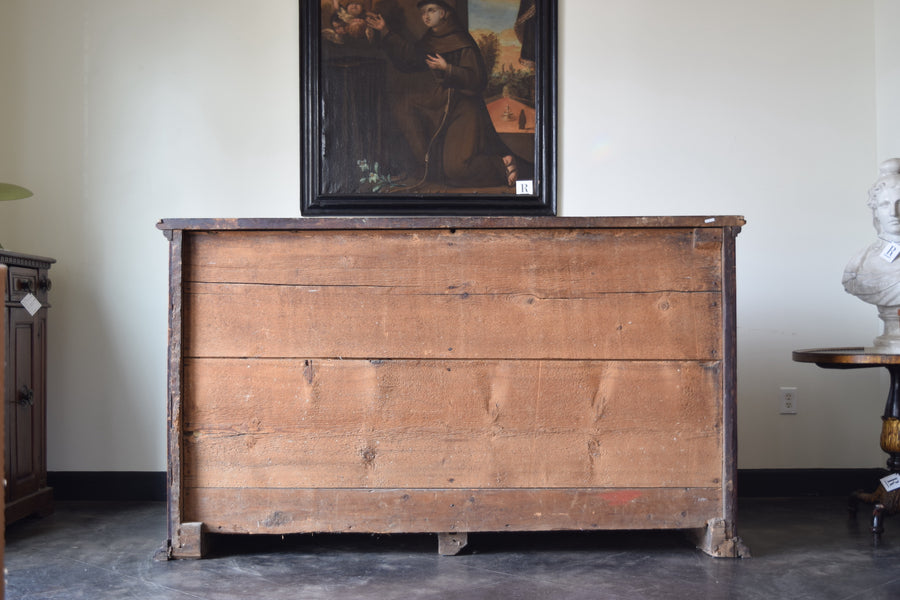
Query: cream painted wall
point(123, 112)
point(887, 64)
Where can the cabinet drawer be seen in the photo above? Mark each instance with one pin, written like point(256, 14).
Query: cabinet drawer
point(24, 281)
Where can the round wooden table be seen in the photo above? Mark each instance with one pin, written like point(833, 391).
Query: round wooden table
point(860, 358)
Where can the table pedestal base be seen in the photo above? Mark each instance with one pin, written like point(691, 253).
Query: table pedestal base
point(883, 503)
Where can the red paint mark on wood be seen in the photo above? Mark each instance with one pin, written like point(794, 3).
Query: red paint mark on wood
point(622, 497)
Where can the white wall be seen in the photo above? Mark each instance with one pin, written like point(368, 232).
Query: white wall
point(887, 16)
point(120, 112)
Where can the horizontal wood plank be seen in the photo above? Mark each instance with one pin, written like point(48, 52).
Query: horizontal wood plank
point(438, 459)
point(277, 511)
point(340, 423)
point(241, 320)
point(297, 395)
point(549, 263)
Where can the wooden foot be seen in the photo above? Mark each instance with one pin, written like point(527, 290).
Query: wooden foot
point(163, 553)
point(890, 500)
point(449, 544)
point(717, 539)
point(39, 503)
point(190, 541)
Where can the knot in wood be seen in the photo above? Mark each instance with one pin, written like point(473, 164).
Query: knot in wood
point(368, 456)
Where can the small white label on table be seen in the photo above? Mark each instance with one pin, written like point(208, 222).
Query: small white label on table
point(891, 482)
point(525, 187)
point(890, 252)
point(31, 304)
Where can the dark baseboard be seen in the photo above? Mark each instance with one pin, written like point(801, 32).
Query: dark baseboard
point(116, 486)
point(793, 483)
point(127, 486)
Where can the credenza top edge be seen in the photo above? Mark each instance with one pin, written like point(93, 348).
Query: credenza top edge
point(361, 223)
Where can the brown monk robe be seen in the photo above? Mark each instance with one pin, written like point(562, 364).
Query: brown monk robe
point(446, 123)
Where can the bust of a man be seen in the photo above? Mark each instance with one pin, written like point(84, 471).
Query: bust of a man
point(873, 275)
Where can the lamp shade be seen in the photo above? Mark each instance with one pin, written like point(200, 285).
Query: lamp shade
point(9, 191)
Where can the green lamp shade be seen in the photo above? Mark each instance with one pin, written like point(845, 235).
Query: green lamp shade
point(9, 191)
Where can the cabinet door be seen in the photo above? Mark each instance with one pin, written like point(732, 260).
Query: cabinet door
point(25, 405)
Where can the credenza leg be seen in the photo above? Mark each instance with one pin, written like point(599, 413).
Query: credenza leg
point(190, 543)
point(718, 539)
point(450, 544)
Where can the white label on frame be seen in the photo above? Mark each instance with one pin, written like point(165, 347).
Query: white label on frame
point(891, 482)
point(524, 187)
point(891, 252)
point(31, 304)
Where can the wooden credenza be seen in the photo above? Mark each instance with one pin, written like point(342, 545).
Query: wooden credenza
point(25, 395)
point(452, 375)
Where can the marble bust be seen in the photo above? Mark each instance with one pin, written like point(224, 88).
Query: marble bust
point(873, 275)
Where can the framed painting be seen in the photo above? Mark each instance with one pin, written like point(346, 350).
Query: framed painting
point(428, 107)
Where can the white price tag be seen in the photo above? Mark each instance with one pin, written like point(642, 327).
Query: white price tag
point(890, 252)
point(31, 304)
point(891, 482)
point(525, 187)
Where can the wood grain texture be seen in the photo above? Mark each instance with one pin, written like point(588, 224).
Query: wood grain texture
point(174, 401)
point(555, 264)
point(244, 395)
point(574, 294)
point(287, 321)
point(451, 424)
point(274, 511)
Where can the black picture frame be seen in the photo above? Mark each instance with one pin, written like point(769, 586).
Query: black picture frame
point(353, 96)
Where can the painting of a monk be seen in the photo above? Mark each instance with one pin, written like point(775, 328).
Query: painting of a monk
point(447, 125)
point(428, 127)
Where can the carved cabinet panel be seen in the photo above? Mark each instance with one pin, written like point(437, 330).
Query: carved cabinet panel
point(25, 396)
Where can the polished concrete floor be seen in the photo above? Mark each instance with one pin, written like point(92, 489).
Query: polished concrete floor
point(802, 548)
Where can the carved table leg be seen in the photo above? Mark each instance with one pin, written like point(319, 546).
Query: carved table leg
point(877, 519)
point(885, 502)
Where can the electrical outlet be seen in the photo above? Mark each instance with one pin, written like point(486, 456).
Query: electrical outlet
point(788, 401)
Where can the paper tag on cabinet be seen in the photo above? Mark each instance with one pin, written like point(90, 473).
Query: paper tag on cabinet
point(891, 482)
point(31, 304)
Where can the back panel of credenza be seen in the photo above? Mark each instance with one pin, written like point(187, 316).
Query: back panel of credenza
point(452, 379)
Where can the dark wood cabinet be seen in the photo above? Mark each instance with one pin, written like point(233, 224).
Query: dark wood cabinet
point(3, 272)
point(26, 304)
